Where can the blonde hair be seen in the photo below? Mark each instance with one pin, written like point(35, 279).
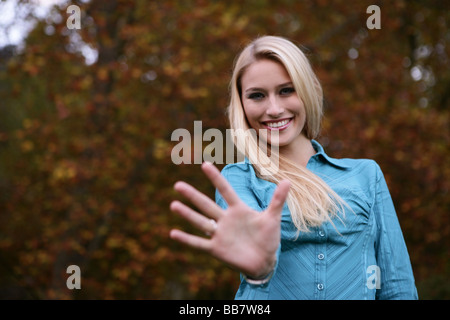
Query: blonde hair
point(311, 201)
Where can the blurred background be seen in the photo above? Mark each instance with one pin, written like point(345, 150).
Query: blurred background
point(86, 117)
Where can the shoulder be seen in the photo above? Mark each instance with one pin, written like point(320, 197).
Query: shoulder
point(243, 173)
point(242, 166)
point(256, 192)
point(360, 175)
point(240, 172)
point(348, 166)
point(366, 166)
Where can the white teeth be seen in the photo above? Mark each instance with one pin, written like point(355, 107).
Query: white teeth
point(277, 124)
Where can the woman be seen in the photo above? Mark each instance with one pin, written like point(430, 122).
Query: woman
point(311, 227)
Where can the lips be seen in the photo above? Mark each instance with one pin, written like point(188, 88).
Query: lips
point(277, 124)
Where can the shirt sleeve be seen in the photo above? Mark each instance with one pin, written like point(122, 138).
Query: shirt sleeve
point(396, 276)
point(241, 178)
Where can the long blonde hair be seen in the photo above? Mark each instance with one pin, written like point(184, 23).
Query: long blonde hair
point(311, 201)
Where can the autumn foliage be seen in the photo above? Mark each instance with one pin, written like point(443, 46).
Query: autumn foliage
point(86, 176)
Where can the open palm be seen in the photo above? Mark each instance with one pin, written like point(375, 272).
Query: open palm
point(241, 237)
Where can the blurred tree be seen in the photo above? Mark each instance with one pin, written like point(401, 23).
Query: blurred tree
point(87, 115)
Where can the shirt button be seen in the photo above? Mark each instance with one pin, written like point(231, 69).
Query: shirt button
point(320, 286)
point(320, 256)
point(321, 233)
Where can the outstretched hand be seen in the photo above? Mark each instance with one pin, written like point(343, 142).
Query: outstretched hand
point(239, 236)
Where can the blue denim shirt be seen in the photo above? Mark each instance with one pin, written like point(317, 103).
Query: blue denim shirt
point(365, 258)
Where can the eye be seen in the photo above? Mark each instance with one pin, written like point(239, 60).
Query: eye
point(255, 96)
point(287, 91)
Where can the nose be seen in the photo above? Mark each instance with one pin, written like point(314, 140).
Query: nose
point(274, 108)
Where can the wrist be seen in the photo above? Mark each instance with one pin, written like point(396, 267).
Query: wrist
point(263, 278)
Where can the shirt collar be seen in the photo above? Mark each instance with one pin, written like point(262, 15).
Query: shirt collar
point(339, 163)
point(321, 153)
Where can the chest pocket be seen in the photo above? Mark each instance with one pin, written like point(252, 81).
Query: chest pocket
point(357, 212)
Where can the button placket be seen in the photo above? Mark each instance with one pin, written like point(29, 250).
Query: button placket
point(321, 263)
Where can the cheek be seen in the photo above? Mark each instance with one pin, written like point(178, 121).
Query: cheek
point(295, 104)
point(252, 113)
point(297, 107)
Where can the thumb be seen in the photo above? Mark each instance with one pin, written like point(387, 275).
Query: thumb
point(279, 198)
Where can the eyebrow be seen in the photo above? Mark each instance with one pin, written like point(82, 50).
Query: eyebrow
point(261, 89)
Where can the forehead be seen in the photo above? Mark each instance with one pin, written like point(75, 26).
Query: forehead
point(264, 73)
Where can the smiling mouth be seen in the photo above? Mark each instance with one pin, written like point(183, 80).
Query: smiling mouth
point(278, 124)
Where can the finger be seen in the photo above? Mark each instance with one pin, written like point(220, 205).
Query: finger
point(196, 219)
point(200, 200)
point(279, 197)
point(191, 240)
point(219, 181)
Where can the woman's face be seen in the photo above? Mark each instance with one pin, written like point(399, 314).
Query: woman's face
point(270, 101)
